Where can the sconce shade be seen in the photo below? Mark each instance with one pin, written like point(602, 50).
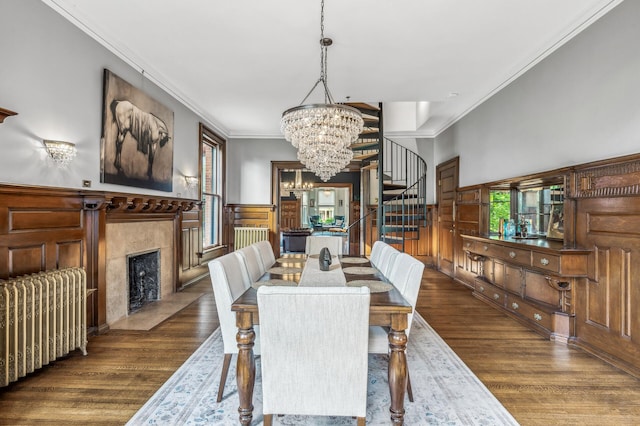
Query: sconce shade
point(192, 181)
point(60, 152)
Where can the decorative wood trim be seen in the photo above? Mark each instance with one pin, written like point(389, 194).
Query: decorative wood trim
point(611, 180)
point(4, 113)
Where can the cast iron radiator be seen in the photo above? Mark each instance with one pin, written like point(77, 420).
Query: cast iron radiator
point(42, 318)
point(245, 236)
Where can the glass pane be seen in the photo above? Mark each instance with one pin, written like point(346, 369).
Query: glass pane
point(499, 208)
point(210, 222)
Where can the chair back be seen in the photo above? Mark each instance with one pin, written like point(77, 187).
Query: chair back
point(315, 243)
point(229, 280)
point(266, 254)
point(376, 251)
point(314, 343)
point(251, 258)
point(387, 258)
point(406, 276)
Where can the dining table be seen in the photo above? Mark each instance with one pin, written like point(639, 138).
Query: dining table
point(387, 308)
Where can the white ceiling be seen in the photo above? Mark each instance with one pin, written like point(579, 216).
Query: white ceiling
point(240, 63)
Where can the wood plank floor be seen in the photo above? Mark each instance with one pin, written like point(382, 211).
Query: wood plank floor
point(538, 381)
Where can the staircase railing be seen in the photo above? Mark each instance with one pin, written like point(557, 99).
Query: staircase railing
point(401, 213)
point(401, 209)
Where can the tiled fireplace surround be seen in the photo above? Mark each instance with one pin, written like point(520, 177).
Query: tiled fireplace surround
point(126, 238)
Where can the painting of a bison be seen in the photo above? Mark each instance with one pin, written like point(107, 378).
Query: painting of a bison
point(137, 142)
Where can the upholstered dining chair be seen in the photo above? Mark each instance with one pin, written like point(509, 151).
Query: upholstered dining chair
point(266, 254)
point(386, 259)
point(376, 251)
point(252, 261)
point(315, 243)
point(406, 276)
point(314, 351)
point(229, 280)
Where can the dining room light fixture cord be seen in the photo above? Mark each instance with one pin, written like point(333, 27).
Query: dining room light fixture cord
point(322, 133)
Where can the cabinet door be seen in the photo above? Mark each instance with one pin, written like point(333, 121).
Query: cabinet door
point(537, 288)
point(513, 279)
point(497, 276)
point(290, 214)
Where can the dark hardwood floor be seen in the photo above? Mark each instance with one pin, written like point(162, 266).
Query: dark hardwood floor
point(540, 382)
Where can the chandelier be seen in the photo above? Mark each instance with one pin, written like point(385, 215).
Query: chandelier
point(322, 133)
point(297, 186)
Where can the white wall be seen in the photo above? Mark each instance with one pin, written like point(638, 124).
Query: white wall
point(249, 168)
point(578, 105)
point(52, 75)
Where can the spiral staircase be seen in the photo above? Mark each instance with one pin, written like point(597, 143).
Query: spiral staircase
point(393, 204)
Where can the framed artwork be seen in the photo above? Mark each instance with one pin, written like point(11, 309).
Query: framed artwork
point(137, 137)
point(555, 230)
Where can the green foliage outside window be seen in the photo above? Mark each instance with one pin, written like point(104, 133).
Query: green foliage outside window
point(500, 208)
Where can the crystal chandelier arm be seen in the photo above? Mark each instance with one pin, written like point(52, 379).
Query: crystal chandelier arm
point(314, 88)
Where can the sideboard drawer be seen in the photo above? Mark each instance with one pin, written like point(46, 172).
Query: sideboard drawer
point(513, 255)
point(490, 292)
point(531, 313)
point(545, 261)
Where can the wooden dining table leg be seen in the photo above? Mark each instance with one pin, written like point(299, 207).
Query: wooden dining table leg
point(246, 367)
point(397, 367)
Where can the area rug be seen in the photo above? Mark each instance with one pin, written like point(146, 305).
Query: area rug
point(445, 391)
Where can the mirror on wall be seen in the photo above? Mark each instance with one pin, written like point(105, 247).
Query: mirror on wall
point(527, 212)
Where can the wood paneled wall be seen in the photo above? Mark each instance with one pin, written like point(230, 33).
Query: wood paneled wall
point(45, 228)
point(258, 215)
point(602, 215)
point(607, 196)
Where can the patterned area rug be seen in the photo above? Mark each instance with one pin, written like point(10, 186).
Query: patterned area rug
point(446, 392)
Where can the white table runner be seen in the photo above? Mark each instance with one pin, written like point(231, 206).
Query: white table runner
point(312, 276)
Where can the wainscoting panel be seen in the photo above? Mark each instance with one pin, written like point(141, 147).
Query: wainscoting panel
point(40, 229)
point(250, 215)
point(607, 302)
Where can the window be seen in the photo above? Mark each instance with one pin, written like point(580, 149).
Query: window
point(499, 208)
point(326, 205)
point(212, 178)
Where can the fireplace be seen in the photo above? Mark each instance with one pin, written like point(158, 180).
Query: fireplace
point(143, 273)
point(126, 239)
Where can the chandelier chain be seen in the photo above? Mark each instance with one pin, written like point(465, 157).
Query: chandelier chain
point(322, 133)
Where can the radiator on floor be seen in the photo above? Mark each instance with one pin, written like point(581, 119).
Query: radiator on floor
point(42, 318)
point(245, 236)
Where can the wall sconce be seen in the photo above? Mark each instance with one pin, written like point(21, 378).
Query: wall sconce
point(60, 152)
point(192, 181)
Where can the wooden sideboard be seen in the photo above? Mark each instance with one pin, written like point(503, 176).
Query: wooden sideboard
point(532, 280)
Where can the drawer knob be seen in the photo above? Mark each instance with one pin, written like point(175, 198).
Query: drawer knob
point(537, 317)
point(514, 305)
point(481, 289)
point(544, 261)
point(512, 254)
point(485, 248)
point(496, 296)
point(468, 244)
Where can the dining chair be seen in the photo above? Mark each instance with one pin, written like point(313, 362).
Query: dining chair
point(376, 251)
point(314, 355)
point(406, 276)
point(250, 257)
point(387, 258)
point(229, 280)
point(266, 254)
point(315, 243)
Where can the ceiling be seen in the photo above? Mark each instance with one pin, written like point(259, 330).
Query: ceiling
point(240, 63)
